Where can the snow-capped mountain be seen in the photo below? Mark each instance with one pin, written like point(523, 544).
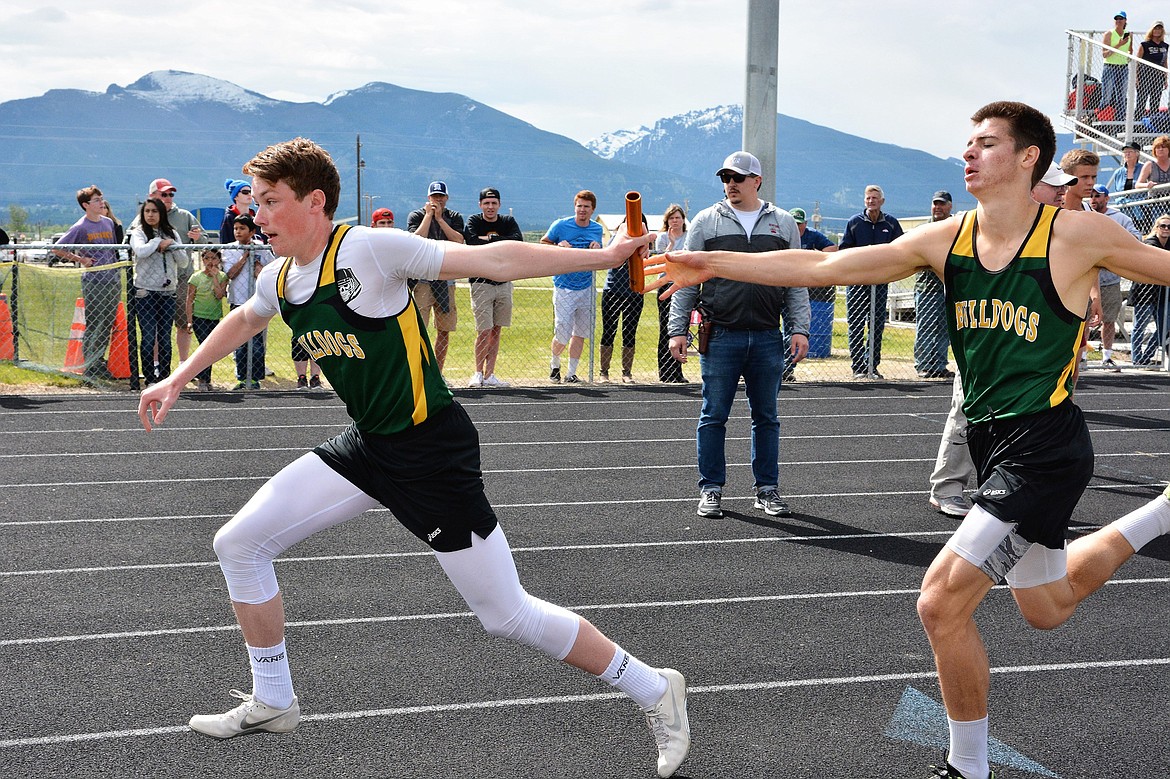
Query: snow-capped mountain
point(174, 89)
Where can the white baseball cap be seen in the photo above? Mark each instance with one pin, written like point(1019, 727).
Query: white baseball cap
point(743, 163)
point(1055, 177)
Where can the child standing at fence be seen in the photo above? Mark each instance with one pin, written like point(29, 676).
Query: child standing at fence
point(205, 293)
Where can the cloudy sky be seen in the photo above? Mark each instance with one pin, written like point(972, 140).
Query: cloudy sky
point(897, 71)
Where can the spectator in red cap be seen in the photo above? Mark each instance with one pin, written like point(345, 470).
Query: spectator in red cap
point(382, 217)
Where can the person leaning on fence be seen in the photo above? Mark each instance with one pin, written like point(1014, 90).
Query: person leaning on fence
point(573, 292)
point(411, 446)
point(491, 301)
point(438, 223)
point(1149, 303)
point(672, 237)
point(620, 306)
point(243, 263)
point(156, 281)
point(930, 322)
point(1151, 81)
point(871, 227)
point(1155, 175)
point(102, 289)
point(743, 340)
point(206, 290)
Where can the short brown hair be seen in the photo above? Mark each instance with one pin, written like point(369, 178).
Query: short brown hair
point(586, 195)
point(301, 164)
point(1161, 140)
point(1028, 127)
point(1076, 157)
point(87, 194)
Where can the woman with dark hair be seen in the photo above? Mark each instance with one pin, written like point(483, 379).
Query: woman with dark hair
point(240, 194)
point(674, 232)
point(620, 305)
point(156, 274)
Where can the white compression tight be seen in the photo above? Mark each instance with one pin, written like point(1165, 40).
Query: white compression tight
point(307, 496)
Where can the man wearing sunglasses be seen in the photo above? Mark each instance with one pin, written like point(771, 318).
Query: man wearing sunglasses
point(745, 340)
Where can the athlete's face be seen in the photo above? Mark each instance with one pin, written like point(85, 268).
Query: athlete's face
point(286, 220)
point(991, 159)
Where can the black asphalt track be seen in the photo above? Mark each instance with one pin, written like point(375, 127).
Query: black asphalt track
point(798, 636)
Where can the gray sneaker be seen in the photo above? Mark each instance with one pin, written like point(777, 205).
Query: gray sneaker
point(251, 716)
point(952, 506)
point(768, 499)
point(710, 504)
point(668, 722)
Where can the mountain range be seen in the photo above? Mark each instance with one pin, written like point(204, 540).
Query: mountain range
point(198, 131)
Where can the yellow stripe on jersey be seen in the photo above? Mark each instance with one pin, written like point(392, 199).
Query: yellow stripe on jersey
point(964, 241)
point(416, 355)
point(329, 264)
point(1041, 235)
point(1061, 393)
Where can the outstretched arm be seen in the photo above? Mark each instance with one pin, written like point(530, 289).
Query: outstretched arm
point(919, 249)
point(510, 260)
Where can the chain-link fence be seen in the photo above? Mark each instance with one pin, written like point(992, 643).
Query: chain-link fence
point(52, 311)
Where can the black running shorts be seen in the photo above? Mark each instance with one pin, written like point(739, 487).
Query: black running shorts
point(1033, 470)
point(428, 476)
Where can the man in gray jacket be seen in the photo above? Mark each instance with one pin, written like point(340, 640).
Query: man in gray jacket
point(743, 337)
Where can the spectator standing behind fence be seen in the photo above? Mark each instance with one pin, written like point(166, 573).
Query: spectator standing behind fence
point(156, 275)
point(1156, 174)
point(817, 241)
point(931, 340)
point(491, 301)
point(672, 238)
point(242, 266)
point(435, 221)
point(240, 195)
point(119, 231)
point(743, 323)
point(101, 290)
point(205, 293)
point(382, 217)
point(872, 226)
point(620, 305)
point(1109, 282)
point(1149, 304)
point(1151, 81)
point(573, 292)
point(1115, 68)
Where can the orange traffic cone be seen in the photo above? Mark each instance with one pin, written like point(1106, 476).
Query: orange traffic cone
point(119, 361)
point(74, 356)
point(7, 345)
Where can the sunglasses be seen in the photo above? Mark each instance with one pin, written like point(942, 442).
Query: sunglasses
point(245, 191)
point(1164, 227)
point(166, 194)
point(727, 178)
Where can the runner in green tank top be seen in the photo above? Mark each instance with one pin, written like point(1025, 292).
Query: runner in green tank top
point(411, 447)
point(1031, 446)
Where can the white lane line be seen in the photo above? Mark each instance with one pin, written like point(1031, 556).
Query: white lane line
point(511, 703)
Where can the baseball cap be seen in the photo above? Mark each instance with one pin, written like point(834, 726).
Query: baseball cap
point(1132, 145)
point(743, 163)
point(1055, 177)
point(1120, 15)
point(381, 213)
point(943, 195)
point(1157, 23)
point(437, 188)
point(161, 185)
point(487, 192)
point(1102, 189)
point(799, 215)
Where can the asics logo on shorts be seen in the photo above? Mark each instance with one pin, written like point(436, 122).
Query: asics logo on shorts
point(434, 534)
point(994, 493)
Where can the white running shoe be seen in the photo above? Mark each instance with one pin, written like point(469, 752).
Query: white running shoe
point(668, 723)
point(476, 380)
point(251, 716)
point(495, 381)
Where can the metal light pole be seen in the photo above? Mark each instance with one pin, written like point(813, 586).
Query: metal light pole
point(360, 164)
point(759, 105)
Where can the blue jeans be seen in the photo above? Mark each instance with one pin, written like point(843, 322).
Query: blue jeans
point(931, 338)
point(1114, 82)
point(155, 313)
point(757, 356)
point(857, 305)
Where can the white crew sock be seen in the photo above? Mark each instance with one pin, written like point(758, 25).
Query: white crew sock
point(969, 748)
point(573, 365)
point(1144, 524)
point(1106, 354)
point(271, 679)
point(636, 679)
point(555, 362)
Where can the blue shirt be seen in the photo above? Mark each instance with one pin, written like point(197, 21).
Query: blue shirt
point(814, 239)
point(579, 237)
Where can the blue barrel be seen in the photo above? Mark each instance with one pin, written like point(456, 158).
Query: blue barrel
point(820, 331)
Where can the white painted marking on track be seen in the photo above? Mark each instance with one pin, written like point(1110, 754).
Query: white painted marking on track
point(511, 703)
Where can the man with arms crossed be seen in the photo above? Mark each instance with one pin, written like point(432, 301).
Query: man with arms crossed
point(1015, 291)
point(491, 301)
point(343, 292)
